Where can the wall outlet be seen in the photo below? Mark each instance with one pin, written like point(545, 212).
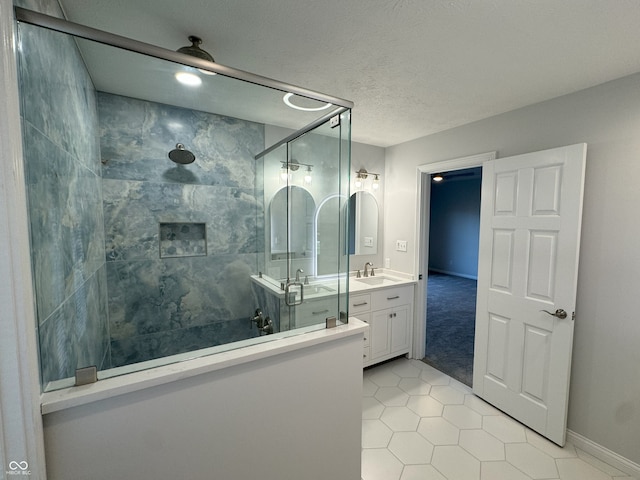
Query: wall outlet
point(401, 245)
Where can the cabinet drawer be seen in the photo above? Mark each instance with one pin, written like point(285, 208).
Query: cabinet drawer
point(367, 335)
point(359, 303)
point(366, 355)
point(315, 311)
point(391, 297)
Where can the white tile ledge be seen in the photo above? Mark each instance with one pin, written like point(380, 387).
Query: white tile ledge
point(111, 387)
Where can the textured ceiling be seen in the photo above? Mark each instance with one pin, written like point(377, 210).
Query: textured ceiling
point(412, 67)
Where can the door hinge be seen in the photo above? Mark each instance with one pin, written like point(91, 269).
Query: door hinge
point(573, 316)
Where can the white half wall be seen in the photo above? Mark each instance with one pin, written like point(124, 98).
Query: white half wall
point(294, 415)
point(605, 387)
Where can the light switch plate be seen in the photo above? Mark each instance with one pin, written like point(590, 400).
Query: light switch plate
point(401, 245)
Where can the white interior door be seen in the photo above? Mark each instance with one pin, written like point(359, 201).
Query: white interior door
point(529, 241)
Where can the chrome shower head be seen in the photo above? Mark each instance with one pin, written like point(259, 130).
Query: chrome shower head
point(194, 50)
point(181, 155)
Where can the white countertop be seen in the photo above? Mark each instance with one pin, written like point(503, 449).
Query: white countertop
point(329, 286)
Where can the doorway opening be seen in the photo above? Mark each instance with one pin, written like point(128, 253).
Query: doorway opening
point(454, 230)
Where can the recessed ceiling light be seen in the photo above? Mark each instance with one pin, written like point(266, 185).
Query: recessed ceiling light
point(190, 79)
point(287, 99)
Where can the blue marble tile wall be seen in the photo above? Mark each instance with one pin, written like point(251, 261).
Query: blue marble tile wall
point(162, 306)
point(62, 166)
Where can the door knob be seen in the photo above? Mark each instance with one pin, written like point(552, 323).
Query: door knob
point(560, 313)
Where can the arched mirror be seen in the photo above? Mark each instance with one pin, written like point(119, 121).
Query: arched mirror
point(363, 224)
point(331, 213)
point(294, 240)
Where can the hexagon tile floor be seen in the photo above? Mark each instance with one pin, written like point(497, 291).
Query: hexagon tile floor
point(420, 424)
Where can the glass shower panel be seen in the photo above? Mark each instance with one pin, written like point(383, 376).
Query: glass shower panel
point(316, 267)
point(305, 263)
point(139, 258)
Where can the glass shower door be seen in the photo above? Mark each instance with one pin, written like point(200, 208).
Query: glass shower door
point(318, 263)
point(305, 191)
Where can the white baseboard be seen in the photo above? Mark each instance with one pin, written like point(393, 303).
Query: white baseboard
point(601, 453)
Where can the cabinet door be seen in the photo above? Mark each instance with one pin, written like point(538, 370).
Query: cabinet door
point(399, 329)
point(379, 340)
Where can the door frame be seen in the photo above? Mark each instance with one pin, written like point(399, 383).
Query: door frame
point(423, 175)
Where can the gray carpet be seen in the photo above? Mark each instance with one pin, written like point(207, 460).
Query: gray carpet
point(451, 310)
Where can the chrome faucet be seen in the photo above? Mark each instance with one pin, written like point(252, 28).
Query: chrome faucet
point(265, 325)
point(298, 272)
point(257, 318)
point(267, 328)
point(366, 271)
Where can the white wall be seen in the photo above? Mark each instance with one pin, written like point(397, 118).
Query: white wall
point(605, 387)
point(296, 415)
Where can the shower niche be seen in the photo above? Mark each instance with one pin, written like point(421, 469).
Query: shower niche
point(158, 211)
point(183, 240)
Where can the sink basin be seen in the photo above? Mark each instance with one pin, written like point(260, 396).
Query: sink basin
point(379, 280)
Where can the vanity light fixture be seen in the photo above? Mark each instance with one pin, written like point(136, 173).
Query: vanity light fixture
point(284, 174)
point(287, 169)
point(287, 100)
point(363, 174)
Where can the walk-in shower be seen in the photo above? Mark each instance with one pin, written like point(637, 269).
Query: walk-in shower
point(141, 254)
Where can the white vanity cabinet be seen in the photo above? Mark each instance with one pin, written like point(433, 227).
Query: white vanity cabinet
point(389, 312)
point(314, 311)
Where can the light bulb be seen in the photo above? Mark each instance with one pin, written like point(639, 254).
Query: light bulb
point(284, 174)
point(358, 183)
point(189, 79)
point(376, 183)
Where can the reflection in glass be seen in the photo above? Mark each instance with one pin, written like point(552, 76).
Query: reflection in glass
point(295, 242)
point(363, 224)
